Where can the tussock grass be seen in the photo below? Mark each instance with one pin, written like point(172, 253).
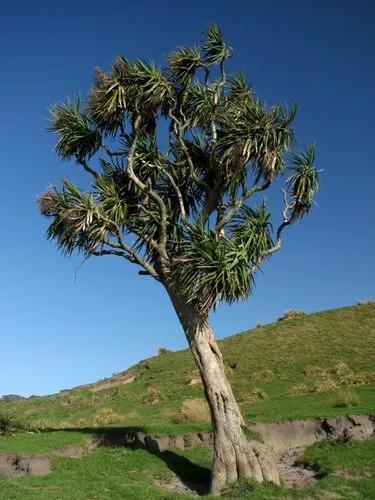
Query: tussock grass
point(252, 396)
point(345, 399)
point(325, 384)
point(299, 390)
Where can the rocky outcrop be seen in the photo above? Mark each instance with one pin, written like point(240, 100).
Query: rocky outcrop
point(8, 398)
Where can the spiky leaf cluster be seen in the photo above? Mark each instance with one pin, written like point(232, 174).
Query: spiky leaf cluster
point(175, 156)
point(304, 181)
point(212, 270)
point(77, 136)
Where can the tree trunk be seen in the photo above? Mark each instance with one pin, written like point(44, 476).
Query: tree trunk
point(235, 455)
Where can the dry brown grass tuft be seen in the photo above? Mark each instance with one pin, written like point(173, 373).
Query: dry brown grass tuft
point(357, 379)
point(341, 368)
point(152, 396)
point(252, 396)
point(299, 390)
point(106, 416)
point(195, 381)
point(195, 411)
point(324, 385)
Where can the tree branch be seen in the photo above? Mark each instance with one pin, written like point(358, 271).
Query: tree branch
point(238, 204)
point(128, 253)
point(88, 169)
point(287, 220)
point(178, 193)
point(148, 190)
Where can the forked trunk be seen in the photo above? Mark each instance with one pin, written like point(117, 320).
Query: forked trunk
point(235, 455)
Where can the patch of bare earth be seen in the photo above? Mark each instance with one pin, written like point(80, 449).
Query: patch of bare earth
point(175, 485)
point(292, 473)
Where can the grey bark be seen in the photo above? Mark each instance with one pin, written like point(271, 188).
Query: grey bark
point(235, 455)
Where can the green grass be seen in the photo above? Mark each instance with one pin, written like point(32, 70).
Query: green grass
point(273, 358)
point(355, 458)
point(117, 473)
point(41, 442)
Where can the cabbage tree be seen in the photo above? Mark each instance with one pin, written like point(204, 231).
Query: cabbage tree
point(177, 160)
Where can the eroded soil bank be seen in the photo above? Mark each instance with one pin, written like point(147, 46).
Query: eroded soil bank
point(288, 439)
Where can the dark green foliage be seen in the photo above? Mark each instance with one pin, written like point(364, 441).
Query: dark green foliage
point(216, 51)
point(304, 182)
point(184, 63)
point(212, 270)
point(77, 137)
point(9, 425)
point(178, 206)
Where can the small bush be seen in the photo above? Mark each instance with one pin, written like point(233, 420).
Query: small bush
point(291, 314)
point(345, 399)
point(299, 390)
point(195, 410)
point(9, 425)
point(252, 396)
point(324, 385)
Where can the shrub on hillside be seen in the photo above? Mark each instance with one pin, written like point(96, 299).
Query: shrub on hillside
point(291, 313)
point(9, 425)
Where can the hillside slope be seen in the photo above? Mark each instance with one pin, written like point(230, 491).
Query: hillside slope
point(290, 369)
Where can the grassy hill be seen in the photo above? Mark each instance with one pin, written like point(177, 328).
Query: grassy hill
point(290, 369)
point(309, 366)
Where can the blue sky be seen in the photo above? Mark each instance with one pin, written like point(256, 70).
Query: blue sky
point(57, 332)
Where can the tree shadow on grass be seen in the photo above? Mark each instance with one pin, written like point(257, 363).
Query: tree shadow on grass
point(193, 477)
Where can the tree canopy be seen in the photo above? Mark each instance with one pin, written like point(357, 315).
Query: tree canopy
point(176, 156)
